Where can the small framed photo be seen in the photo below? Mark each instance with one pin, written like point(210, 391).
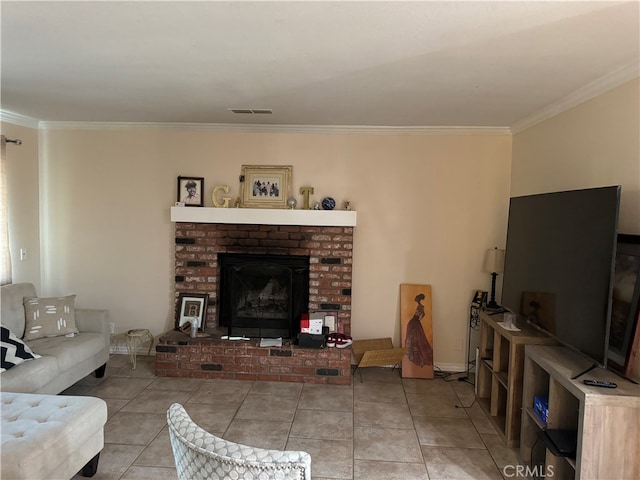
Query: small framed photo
point(331, 321)
point(192, 305)
point(479, 299)
point(190, 191)
point(265, 186)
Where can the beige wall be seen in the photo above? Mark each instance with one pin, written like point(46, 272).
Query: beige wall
point(428, 208)
point(24, 197)
point(594, 144)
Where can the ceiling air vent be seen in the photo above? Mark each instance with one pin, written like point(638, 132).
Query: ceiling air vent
point(252, 111)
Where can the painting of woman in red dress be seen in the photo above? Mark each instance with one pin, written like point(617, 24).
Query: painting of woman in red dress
point(415, 303)
point(419, 349)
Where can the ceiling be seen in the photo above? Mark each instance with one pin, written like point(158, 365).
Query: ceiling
point(349, 63)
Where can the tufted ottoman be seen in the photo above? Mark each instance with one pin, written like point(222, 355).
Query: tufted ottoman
point(50, 436)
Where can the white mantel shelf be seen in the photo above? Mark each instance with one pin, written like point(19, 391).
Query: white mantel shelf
point(264, 216)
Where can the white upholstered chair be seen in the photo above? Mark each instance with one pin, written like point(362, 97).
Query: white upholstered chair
point(200, 455)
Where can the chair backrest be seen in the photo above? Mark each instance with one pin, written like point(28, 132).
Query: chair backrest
point(201, 455)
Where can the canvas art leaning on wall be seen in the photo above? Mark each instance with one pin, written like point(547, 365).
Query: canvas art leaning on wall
point(417, 330)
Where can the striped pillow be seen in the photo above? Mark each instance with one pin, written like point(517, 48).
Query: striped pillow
point(14, 350)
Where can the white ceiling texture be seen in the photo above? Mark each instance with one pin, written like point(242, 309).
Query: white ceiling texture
point(331, 63)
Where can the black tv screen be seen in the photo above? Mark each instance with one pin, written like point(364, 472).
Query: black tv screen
point(559, 262)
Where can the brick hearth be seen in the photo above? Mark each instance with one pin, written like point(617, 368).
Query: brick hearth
point(178, 355)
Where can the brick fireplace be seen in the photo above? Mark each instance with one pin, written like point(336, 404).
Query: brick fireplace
point(197, 245)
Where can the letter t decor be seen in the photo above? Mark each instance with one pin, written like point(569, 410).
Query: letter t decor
point(305, 191)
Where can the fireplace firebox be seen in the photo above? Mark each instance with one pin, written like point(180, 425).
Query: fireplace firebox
point(262, 295)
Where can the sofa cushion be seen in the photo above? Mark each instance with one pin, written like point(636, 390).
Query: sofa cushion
point(14, 350)
point(49, 317)
point(69, 352)
point(12, 305)
point(30, 376)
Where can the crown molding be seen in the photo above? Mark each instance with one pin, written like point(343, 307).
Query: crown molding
point(589, 91)
point(247, 128)
point(20, 120)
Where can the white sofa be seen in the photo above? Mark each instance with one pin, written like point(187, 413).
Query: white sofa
point(64, 360)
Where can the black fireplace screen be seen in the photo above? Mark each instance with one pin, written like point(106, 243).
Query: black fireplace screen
point(263, 295)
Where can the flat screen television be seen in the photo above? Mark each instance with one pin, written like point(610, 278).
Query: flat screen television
point(559, 263)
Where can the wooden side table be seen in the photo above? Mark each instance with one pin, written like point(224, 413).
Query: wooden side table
point(135, 338)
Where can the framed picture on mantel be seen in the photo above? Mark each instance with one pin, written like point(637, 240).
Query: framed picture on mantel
point(190, 191)
point(265, 186)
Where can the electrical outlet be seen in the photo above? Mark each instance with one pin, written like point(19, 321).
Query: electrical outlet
point(113, 328)
point(459, 345)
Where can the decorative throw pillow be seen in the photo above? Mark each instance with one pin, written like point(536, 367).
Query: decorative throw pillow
point(49, 317)
point(14, 350)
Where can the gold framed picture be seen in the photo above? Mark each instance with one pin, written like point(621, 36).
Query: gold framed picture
point(265, 186)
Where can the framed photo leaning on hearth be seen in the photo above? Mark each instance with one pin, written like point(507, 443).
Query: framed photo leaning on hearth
point(190, 191)
point(192, 305)
point(265, 186)
point(331, 321)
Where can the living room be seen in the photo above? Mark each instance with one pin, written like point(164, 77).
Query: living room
point(90, 200)
point(91, 207)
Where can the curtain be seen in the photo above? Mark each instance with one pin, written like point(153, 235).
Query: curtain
point(5, 255)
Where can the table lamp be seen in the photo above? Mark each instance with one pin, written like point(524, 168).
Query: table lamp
point(494, 264)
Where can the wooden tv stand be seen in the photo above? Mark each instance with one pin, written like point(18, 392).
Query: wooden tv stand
point(606, 421)
point(499, 372)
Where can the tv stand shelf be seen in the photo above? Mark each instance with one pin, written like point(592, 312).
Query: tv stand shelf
point(499, 372)
point(606, 421)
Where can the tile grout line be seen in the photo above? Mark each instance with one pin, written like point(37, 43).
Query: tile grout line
point(415, 430)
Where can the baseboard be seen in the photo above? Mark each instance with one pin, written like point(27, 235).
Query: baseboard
point(119, 347)
point(450, 367)
point(122, 350)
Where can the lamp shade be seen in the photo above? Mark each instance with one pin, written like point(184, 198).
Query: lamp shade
point(494, 261)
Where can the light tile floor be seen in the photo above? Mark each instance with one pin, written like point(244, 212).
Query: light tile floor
point(383, 428)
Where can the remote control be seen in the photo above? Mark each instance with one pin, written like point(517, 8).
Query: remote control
point(600, 383)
